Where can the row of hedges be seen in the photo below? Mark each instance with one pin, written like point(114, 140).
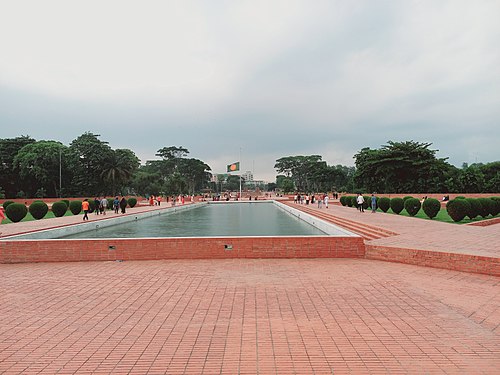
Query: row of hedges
point(457, 209)
point(461, 207)
point(39, 209)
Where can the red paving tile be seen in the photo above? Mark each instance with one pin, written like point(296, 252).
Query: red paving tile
point(240, 316)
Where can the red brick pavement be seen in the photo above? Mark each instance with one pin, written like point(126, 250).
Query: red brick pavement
point(288, 316)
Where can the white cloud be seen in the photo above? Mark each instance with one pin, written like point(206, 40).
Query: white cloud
point(274, 77)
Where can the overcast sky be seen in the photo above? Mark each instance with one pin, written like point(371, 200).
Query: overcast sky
point(264, 78)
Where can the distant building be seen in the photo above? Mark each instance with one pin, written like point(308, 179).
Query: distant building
point(247, 176)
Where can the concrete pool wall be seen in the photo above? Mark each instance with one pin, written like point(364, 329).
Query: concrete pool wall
point(20, 249)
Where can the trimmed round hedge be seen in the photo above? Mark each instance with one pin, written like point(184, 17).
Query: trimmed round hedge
point(59, 208)
point(343, 200)
point(367, 202)
point(66, 201)
point(407, 197)
point(38, 209)
point(131, 202)
point(16, 212)
point(397, 205)
point(457, 209)
point(485, 207)
point(431, 207)
point(496, 201)
point(75, 207)
point(6, 204)
point(474, 208)
point(350, 201)
point(412, 206)
point(384, 204)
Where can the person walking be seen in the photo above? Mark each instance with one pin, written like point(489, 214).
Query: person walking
point(374, 203)
point(104, 205)
point(85, 208)
point(360, 201)
point(326, 200)
point(97, 205)
point(116, 204)
point(123, 204)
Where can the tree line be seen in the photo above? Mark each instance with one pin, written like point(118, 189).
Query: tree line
point(397, 167)
point(90, 167)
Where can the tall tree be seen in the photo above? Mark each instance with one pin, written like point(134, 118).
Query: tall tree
point(400, 167)
point(10, 180)
point(90, 156)
point(41, 161)
point(119, 168)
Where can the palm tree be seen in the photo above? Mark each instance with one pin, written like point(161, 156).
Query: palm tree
point(119, 168)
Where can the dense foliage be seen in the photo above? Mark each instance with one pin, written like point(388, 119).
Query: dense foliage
point(397, 205)
point(6, 204)
point(16, 212)
point(431, 207)
point(410, 166)
point(131, 202)
point(38, 209)
point(75, 207)
point(59, 208)
point(457, 209)
point(384, 203)
point(412, 206)
point(311, 173)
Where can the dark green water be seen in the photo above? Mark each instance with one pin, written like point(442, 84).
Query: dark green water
point(246, 219)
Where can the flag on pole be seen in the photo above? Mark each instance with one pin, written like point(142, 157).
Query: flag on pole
point(233, 167)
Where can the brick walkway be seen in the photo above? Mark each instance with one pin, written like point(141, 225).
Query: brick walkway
point(270, 316)
point(247, 317)
point(423, 234)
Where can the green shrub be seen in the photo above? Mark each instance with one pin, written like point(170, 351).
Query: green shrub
point(131, 202)
point(16, 212)
point(457, 209)
point(367, 201)
point(460, 197)
point(350, 201)
point(59, 208)
point(343, 200)
point(496, 201)
point(407, 197)
point(110, 203)
point(38, 209)
point(431, 207)
point(91, 205)
point(397, 205)
point(412, 206)
point(485, 207)
point(65, 201)
point(492, 206)
point(75, 207)
point(474, 208)
point(384, 204)
point(6, 204)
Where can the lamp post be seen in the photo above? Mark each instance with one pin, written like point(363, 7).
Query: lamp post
point(60, 172)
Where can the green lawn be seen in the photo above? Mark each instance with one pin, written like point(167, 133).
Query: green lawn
point(28, 217)
point(441, 216)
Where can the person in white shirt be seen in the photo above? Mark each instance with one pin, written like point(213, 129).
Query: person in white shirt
point(360, 200)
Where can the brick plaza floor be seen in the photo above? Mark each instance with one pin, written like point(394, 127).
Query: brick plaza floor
point(270, 316)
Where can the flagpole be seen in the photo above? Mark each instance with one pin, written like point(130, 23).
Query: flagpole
point(240, 176)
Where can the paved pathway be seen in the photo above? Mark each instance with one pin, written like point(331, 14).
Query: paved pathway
point(414, 233)
point(328, 316)
point(306, 316)
point(36, 225)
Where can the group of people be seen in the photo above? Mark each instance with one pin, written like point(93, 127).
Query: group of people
point(360, 203)
point(101, 205)
point(310, 199)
